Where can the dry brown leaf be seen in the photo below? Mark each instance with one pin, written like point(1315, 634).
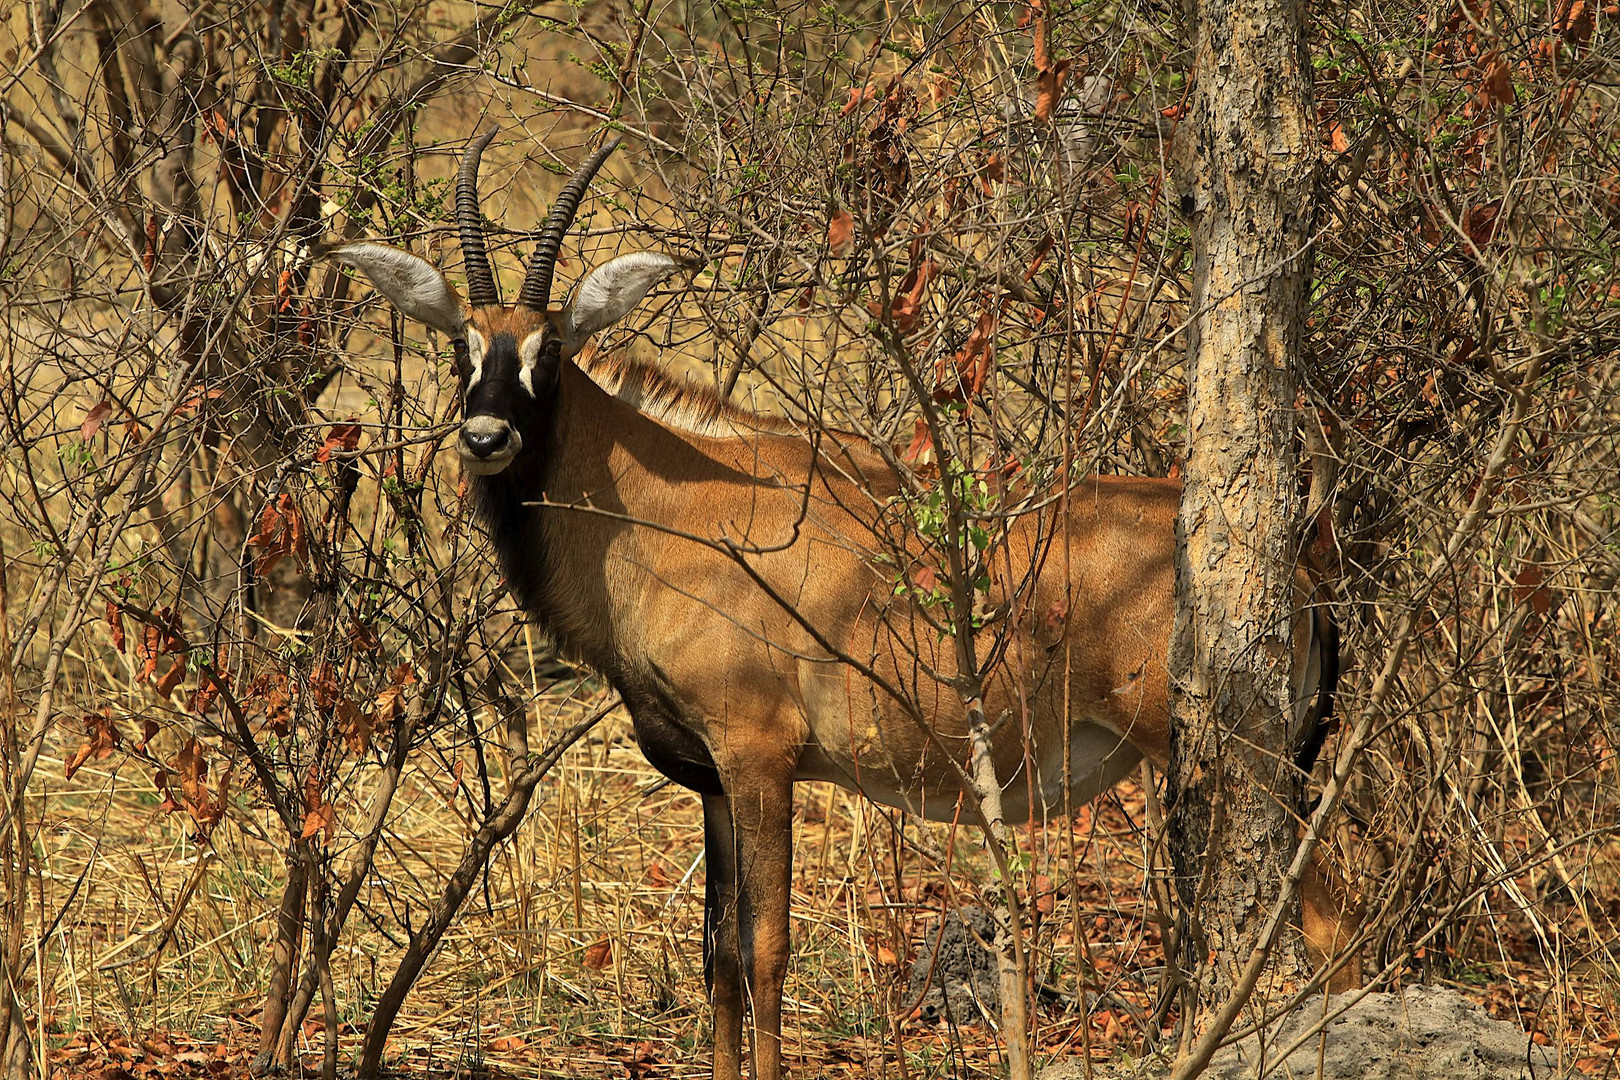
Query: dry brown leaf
point(323, 686)
point(1496, 79)
point(1528, 588)
point(858, 96)
point(193, 769)
point(101, 738)
point(94, 419)
point(362, 637)
point(913, 287)
point(171, 678)
point(320, 819)
point(1481, 222)
point(160, 780)
point(841, 234)
point(961, 376)
point(1043, 34)
point(356, 727)
point(599, 955)
point(1049, 89)
point(115, 625)
point(281, 533)
point(342, 437)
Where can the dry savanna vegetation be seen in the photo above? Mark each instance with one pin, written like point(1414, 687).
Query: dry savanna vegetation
point(267, 708)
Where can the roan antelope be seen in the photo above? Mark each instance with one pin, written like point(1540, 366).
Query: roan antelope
point(713, 564)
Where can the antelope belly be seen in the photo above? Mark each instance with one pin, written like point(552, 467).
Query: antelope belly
point(884, 757)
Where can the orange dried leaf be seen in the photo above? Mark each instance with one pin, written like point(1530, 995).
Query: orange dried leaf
point(194, 402)
point(388, 706)
point(171, 678)
point(1045, 895)
point(80, 756)
point(193, 769)
point(312, 788)
point(1481, 222)
point(362, 638)
point(921, 449)
point(599, 955)
point(115, 625)
point(1496, 79)
point(210, 683)
point(841, 234)
point(272, 693)
point(318, 820)
point(1576, 23)
point(907, 304)
point(342, 437)
point(160, 780)
point(1049, 89)
point(323, 686)
point(858, 95)
point(1528, 588)
point(101, 738)
point(356, 727)
point(1043, 35)
point(961, 377)
point(281, 533)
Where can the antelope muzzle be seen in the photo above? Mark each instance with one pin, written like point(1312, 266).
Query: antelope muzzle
point(488, 444)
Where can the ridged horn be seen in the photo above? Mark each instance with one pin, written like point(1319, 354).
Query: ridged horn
point(536, 292)
point(481, 289)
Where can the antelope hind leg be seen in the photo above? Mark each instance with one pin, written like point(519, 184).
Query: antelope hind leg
point(1329, 923)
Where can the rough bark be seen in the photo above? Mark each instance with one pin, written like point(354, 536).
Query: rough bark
point(1246, 183)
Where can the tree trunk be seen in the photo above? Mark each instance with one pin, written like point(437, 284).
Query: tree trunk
point(1246, 158)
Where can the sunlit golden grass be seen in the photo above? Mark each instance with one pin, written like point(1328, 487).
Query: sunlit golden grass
point(583, 943)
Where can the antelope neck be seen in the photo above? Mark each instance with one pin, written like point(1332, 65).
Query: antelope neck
point(585, 463)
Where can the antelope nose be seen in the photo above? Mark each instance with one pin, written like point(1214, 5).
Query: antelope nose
point(484, 436)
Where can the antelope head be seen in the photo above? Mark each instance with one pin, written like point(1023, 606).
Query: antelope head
point(508, 356)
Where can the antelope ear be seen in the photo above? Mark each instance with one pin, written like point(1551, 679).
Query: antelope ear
point(610, 292)
point(412, 284)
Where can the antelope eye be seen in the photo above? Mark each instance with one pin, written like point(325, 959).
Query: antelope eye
point(463, 356)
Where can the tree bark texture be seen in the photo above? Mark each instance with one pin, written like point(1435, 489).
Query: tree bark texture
point(1246, 163)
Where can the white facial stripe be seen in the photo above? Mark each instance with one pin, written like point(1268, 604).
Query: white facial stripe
point(476, 347)
point(528, 357)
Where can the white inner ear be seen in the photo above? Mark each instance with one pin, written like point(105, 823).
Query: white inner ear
point(411, 283)
point(610, 292)
point(475, 358)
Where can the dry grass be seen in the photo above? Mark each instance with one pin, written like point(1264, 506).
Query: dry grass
point(610, 856)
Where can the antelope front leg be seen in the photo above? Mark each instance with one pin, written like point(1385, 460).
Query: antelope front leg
point(751, 933)
point(725, 951)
